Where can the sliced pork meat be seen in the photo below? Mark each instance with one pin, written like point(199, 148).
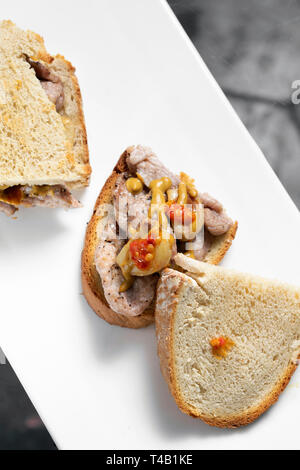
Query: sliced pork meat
point(143, 161)
point(211, 203)
point(201, 254)
point(130, 210)
point(50, 82)
point(201, 245)
point(51, 202)
point(8, 209)
point(42, 71)
point(132, 302)
point(217, 224)
point(56, 196)
point(55, 93)
point(32, 196)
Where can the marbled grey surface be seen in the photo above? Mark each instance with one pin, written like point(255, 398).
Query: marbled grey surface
point(252, 48)
point(20, 425)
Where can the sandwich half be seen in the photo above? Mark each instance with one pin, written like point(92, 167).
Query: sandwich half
point(228, 342)
point(125, 252)
point(43, 142)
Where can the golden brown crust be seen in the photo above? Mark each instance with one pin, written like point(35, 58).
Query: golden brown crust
point(42, 53)
point(164, 324)
point(248, 416)
point(87, 170)
point(164, 319)
point(221, 246)
point(91, 282)
point(44, 56)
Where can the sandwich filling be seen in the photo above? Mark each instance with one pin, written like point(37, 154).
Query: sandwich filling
point(50, 82)
point(32, 196)
point(155, 215)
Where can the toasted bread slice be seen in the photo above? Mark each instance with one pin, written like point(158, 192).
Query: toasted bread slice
point(259, 318)
point(91, 281)
point(39, 145)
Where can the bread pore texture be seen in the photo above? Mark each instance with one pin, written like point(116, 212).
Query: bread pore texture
point(259, 318)
point(39, 145)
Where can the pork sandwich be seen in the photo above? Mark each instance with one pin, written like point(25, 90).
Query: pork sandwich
point(43, 143)
point(144, 216)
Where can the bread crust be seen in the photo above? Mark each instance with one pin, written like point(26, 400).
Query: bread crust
point(221, 246)
point(87, 170)
point(85, 156)
point(91, 282)
point(44, 56)
point(164, 319)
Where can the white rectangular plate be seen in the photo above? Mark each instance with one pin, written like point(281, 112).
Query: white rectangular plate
point(97, 386)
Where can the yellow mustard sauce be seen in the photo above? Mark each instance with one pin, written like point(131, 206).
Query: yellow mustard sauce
point(158, 201)
point(155, 256)
point(161, 255)
point(182, 193)
point(134, 185)
point(42, 191)
point(126, 285)
point(12, 195)
point(159, 188)
point(190, 254)
point(190, 183)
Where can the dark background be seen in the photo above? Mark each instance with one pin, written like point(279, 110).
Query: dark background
point(252, 48)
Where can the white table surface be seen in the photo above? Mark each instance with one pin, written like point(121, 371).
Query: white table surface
point(97, 386)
